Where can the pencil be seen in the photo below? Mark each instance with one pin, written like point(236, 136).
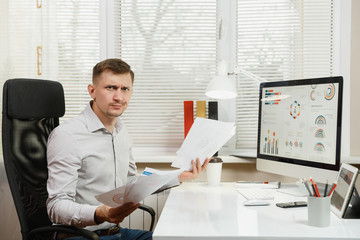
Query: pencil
point(326, 187)
point(317, 190)
point(317, 194)
point(313, 188)
point(307, 187)
point(333, 187)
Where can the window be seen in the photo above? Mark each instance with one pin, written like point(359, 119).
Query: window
point(171, 45)
point(78, 36)
point(279, 40)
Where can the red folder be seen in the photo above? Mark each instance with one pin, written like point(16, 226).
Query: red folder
point(188, 116)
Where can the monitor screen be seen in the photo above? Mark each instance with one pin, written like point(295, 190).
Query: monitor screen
point(299, 126)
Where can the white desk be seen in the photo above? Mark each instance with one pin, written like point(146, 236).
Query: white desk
point(198, 211)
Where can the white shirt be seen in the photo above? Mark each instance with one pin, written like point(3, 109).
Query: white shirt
point(84, 160)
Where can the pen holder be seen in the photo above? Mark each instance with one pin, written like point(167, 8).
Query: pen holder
point(318, 211)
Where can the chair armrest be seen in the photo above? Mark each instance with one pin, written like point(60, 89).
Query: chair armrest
point(151, 211)
point(62, 228)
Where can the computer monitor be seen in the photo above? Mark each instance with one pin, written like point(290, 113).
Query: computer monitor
point(299, 128)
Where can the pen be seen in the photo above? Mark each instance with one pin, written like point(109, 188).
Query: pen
point(307, 187)
point(326, 187)
point(242, 184)
point(258, 182)
point(333, 187)
point(277, 184)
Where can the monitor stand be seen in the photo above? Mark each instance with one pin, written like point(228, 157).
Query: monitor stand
point(296, 189)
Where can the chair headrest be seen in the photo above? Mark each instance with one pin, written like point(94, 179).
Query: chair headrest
point(33, 98)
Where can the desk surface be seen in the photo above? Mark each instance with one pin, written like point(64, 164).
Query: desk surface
point(196, 210)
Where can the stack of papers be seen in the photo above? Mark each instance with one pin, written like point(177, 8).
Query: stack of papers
point(147, 183)
point(204, 139)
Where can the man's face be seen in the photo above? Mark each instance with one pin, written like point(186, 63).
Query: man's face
point(111, 93)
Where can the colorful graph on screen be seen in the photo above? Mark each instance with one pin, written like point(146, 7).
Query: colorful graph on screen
point(272, 98)
point(293, 144)
point(330, 92)
point(295, 109)
point(319, 147)
point(312, 95)
point(320, 133)
point(271, 144)
point(320, 120)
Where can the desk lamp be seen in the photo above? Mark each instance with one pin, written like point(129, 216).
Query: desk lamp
point(222, 86)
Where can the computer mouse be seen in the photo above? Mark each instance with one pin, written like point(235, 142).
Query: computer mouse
point(256, 202)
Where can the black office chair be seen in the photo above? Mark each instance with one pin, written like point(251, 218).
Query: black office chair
point(31, 110)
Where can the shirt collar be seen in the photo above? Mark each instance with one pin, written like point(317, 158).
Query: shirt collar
point(93, 122)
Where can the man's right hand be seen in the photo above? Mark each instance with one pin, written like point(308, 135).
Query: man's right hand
point(114, 215)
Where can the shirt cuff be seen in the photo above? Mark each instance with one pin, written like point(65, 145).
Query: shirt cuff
point(88, 215)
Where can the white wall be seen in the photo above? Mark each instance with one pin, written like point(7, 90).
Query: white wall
point(9, 224)
point(355, 79)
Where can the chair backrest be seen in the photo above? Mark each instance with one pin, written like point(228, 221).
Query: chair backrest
point(31, 110)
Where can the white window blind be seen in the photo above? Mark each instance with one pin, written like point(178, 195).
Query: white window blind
point(78, 33)
point(279, 40)
point(171, 46)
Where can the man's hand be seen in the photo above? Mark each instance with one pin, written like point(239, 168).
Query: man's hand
point(114, 215)
point(196, 170)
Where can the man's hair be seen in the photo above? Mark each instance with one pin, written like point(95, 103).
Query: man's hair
point(114, 65)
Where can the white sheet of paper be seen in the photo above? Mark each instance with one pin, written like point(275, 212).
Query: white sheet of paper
point(139, 190)
point(205, 138)
point(172, 182)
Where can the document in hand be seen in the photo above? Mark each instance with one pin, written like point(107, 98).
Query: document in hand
point(205, 138)
point(150, 181)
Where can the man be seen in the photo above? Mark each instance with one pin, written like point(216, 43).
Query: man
point(91, 154)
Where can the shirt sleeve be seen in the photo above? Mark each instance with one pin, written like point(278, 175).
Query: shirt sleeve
point(132, 173)
point(63, 164)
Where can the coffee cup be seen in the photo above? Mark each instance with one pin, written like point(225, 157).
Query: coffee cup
point(213, 171)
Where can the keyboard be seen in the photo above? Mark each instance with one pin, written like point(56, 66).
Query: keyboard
point(257, 193)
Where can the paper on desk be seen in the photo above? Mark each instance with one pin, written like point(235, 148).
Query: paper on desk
point(135, 192)
point(172, 183)
point(205, 138)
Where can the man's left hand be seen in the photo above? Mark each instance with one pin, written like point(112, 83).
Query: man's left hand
point(196, 170)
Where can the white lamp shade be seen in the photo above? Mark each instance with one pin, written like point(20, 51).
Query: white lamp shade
point(221, 87)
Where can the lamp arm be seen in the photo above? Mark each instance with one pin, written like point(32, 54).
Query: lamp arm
point(250, 75)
